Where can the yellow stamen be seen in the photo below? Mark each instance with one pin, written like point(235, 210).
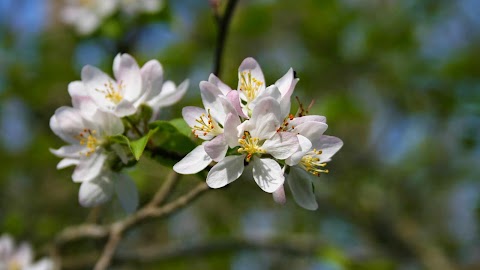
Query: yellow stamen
point(312, 164)
point(206, 125)
point(89, 139)
point(249, 85)
point(112, 93)
point(250, 146)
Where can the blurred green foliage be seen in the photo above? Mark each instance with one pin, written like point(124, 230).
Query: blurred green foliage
point(399, 83)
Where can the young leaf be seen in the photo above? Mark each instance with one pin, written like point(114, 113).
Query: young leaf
point(139, 145)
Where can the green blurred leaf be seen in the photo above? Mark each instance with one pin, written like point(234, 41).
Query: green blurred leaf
point(139, 145)
point(181, 126)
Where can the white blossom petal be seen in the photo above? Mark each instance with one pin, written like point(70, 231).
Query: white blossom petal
point(66, 162)
point(226, 171)
point(69, 151)
point(250, 64)
point(216, 148)
point(23, 255)
point(190, 115)
point(308, 118)
point(265, 119)
point(329, 145)
point(230, 130)
point(124, 108)
point(95, 192)
point(169, 95)
point(89, 167)
point(279, 195)
point(234, 98)
point(281, 145)
point(95, 80)
point(126, 192)
point(286, 84)
point(43, 264)
point(67, 123)
point(301, 186)
point(268, 174)
point(152, 80)
point(127, 73)
point(193, 162)
point(304, 146)
point(217, 82)
point(311, 130)
point(210, 94)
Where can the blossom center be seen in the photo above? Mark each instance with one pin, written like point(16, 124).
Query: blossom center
point(89, 139)
point(112, 93)
point(249, 85)
point(14, 265)
point(249, 146)
point(312, 164)
point(86, 3)
point(206, 125)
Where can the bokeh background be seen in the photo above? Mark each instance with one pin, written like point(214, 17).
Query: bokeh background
point(399, 83)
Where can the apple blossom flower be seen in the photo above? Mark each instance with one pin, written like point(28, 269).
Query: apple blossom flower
point(86, 133)
point(312, 163)
point(156, 93)
point(115, 96)
point(21, 257)
point(208, 124)
point(251, 87)
point(87, 15)
point(257, 138)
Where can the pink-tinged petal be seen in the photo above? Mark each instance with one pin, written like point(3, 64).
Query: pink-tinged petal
point(300, 183)
point(210, 94)
point(281, 145)
point(191, 115)
point(217, 82)
point(234, 98)
point(286, 84)
point(268, 174)
point(89, 167)
point(126, 192)
point(152, 80)
point(95, 80)
point(193, 162)
point(67, 123)
point(69, 151)
point(265, 119)
point(170, 94)
point(307, 118)
point(271, 91)
point(127, 73)
point(231, 130)
point(81, 100)
point(311, 130)
point(279, 195)
point(251, 65)
point(305, 145)
point(329, 145)
point(67, 162)
point(124, 108)
point(216, 148)
point(95, 192)
point(226, 171)
point(107, 123)
point(76, 89)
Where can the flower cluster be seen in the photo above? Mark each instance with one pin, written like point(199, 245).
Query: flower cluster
point(21, 257)
point(99, 103)
point(87, 15)
point(250, 131)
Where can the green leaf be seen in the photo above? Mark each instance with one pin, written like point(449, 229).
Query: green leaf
point(171, 138)
point(181, 126)
point(139, 145)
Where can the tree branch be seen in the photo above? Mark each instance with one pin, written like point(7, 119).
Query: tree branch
point(222, 26)
point(116, 230)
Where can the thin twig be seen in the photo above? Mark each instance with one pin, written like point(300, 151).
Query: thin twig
point(150, 211)
point(167, 187)
point(222, 24)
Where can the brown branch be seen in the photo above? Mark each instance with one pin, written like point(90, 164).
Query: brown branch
point(222, 24)
point(116, 230)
